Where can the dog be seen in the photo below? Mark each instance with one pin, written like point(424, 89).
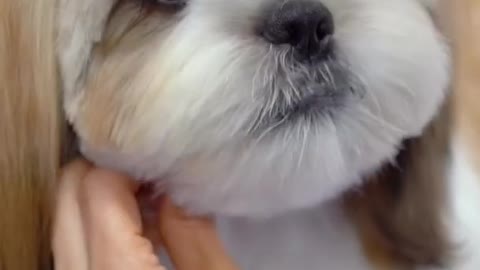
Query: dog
point(316, 132)
point(250, 125)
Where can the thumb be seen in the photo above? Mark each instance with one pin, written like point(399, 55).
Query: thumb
point(113, 224)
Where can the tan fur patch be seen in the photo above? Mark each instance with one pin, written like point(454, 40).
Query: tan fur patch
point(109, 104)
point(374, 244)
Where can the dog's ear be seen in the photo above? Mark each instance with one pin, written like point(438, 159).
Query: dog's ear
point(80, 25)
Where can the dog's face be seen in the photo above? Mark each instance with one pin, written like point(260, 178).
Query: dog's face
point(255, 107)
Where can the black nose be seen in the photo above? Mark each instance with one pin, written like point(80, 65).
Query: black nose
point(307, 25)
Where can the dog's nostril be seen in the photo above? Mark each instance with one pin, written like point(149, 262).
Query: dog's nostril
point(307, 25)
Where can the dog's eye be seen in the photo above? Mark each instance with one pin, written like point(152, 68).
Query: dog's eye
point(170, 3)
point(164, 5)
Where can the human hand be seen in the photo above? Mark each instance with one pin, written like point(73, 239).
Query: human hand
point(98, 227)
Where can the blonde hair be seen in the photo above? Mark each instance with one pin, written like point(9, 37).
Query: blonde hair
point(30, 134)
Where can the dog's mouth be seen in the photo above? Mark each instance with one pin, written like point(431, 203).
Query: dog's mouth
point(307, 94)
point(311, 105)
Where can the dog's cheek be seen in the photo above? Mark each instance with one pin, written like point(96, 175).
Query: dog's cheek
point(106, 115)
point(110, 131)
point(80, 24)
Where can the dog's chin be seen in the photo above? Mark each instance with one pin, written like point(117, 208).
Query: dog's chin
point(257, 189)
point(295, 167)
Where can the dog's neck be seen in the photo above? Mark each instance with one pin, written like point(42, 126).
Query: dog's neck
point(419, 214)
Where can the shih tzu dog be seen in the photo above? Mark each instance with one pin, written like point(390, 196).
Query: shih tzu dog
point(317, 132)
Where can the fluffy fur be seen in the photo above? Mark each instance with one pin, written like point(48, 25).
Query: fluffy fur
point(227, 140)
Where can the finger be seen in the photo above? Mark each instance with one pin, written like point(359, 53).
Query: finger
point(113, 223)
point(149, 204)
point(108, 202)
point(191, 243)
point(68, 238)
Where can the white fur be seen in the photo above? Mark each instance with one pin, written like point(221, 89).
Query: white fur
point(319, 238)
point(199, 101)
point(323, 238)
point(464, 212)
